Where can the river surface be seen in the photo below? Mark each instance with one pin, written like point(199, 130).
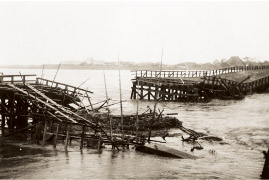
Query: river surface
point(243, 124)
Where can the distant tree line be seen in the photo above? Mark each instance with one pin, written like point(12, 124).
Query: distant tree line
point(217, 64)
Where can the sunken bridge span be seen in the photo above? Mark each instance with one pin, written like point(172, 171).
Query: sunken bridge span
point(199, 85)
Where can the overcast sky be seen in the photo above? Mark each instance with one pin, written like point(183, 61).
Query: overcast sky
point(50, 32)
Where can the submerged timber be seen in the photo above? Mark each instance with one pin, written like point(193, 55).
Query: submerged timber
point(200, 86)
point(162, 150)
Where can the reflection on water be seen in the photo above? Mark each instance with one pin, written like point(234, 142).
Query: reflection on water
point(243, 124)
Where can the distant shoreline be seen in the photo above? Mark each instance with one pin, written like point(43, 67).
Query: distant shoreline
point(231, 62)
point(97, 67)
point(67, 68)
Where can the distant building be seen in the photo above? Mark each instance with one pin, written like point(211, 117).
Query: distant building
point(92, 61)
point(111, 63)
point(72, 62)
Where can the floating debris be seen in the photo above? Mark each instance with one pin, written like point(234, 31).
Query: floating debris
point(162, 150)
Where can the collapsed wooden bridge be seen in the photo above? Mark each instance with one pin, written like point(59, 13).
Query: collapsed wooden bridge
point(28, 105)
point(199, 86)
point(49, 110)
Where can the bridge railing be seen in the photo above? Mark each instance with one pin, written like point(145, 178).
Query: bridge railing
point(169, 74)
point(17, 78)
point(66, 87)
point(195, 73)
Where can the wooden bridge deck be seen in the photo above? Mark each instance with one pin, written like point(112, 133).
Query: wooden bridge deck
point(196, 85)
point(196, 73)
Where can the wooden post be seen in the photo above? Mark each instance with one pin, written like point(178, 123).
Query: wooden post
point(169, 96)
point(265, 172)
point(132, 92)
point(113, 140)
point(82, 137)
point(99, 142)
point(134, 89)
point(44, 133)
point(108, 111)
point(128, 141)
point(136, 122)
point(142, 90)
point(66, 139)
point(163, 95)
point(121, 110)
point(56, 136)
point(23, 79)
point(89, 100)
point(123, 142)
point(149, 92)
point(55, 74)
point(3, 103)
point(11, 103)
point(37, 133)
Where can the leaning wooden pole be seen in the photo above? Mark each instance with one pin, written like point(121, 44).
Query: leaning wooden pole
point(121, 110)
point(42, 73)
point(108, 110)
point(82, 84)
point(42, 77)
point(56, 74)
point(156, 100)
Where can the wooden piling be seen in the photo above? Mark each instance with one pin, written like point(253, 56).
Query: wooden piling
point(136, 122)
point(100, 141)
point(128, 142)
point(11, 103)
point(82, 137)
point(37, 133)
point(265, 171)
point(66, 139)
point(149, 92)
point(123, 142)
point(3, 117)
point(56, 136)
point(44, 133)
point(142, 91)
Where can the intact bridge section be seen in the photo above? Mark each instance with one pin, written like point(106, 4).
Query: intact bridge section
point(200, 86)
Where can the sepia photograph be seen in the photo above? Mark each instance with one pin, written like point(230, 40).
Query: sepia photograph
point(134, 89)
